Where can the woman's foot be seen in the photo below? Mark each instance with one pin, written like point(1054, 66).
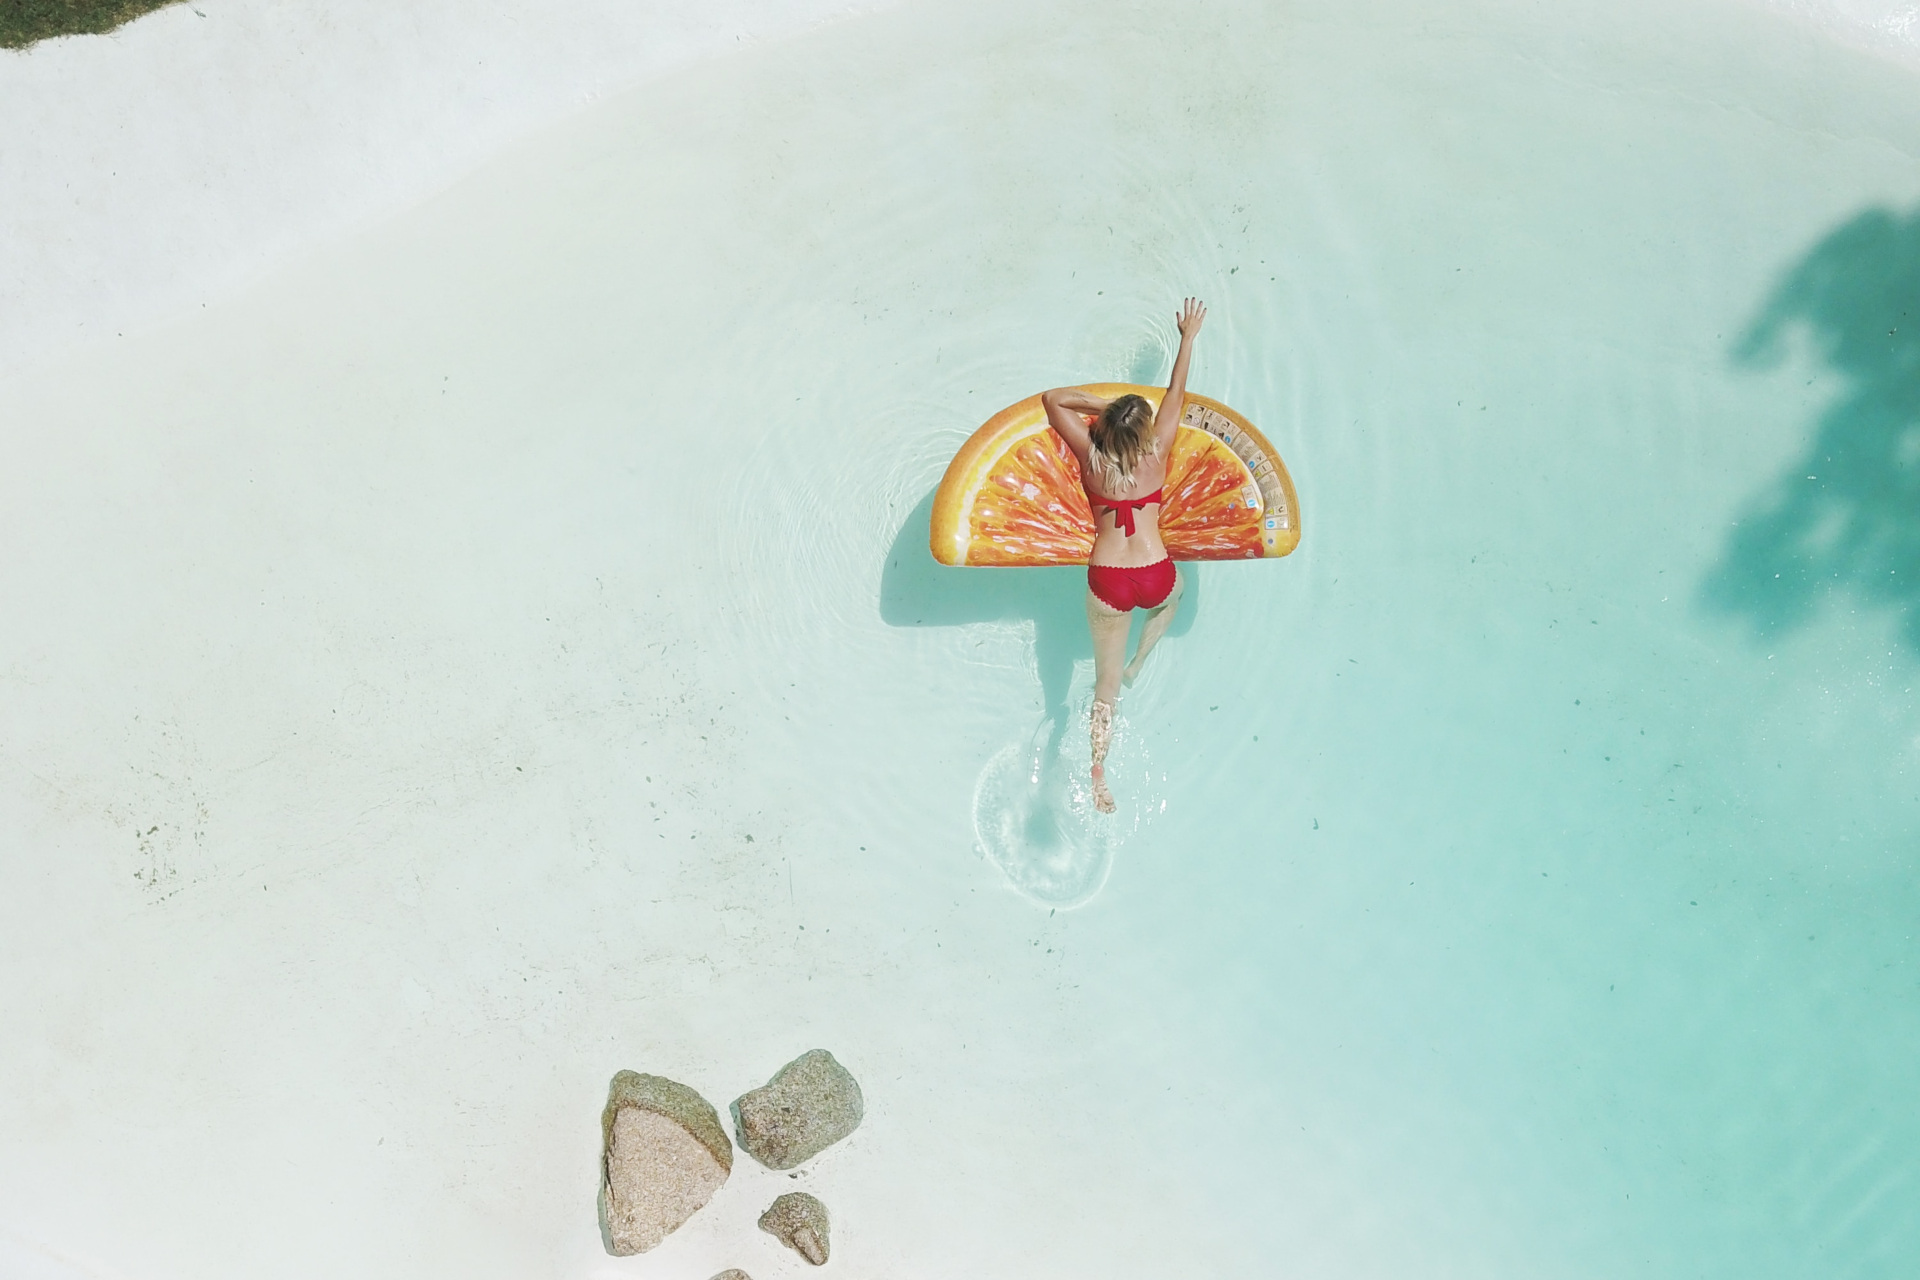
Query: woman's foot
point(1102, 798)
point(1102, 722)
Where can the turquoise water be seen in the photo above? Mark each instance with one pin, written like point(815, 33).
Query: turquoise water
point(1515, 881)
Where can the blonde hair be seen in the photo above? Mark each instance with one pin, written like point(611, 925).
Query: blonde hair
point(1122, 436)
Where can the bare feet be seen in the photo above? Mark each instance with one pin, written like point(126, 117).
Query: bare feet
point(1102, 720)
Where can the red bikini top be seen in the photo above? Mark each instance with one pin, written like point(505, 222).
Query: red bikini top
point(1123, 509)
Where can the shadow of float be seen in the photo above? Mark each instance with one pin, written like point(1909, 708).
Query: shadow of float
point(1031, 811)
point(1846, 516)
point(918, 591)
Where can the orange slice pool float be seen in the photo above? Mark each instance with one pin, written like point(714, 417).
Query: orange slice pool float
point(1012, 494)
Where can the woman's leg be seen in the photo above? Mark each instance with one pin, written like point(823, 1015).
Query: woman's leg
point(1109, 627)
point(1157, 623)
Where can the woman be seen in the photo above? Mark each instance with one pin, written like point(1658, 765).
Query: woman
point(1122, 446)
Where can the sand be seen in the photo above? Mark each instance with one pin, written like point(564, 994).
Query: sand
point(466, 657)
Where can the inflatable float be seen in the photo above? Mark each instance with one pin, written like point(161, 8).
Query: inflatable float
point(1012, 495)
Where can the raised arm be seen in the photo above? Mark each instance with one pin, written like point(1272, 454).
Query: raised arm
point(1067, 412)
point(1174, 403)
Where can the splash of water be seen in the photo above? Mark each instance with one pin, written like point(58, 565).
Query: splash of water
point(1033, 812)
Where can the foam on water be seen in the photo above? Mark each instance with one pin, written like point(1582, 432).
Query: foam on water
point(1890, 27)
point(1034, 816)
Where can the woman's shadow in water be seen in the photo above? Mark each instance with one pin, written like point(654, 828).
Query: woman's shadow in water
point(918, 591)
point(1848, 513)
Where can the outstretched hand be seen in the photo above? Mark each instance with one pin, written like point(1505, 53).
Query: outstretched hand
point(1190, 317)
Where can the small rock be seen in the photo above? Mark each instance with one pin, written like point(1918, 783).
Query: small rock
point(733, 1273)
point(664, 1155)
point(810, 1104)
point(799, 1222)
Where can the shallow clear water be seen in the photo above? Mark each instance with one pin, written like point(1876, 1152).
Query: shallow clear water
point(504, 650)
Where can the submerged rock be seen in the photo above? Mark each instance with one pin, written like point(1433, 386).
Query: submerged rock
point(733, 1273)
point(800, 1222)
point(810, 1104)
point(664, 1154)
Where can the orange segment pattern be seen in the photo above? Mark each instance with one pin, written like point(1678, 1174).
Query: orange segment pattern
point(1031, 508)
point(1012, 494)
point(1212, 511)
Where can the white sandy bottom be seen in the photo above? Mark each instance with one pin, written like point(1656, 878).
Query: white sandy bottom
point(467, 666)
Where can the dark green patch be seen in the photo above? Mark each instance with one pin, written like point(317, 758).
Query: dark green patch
point(24, 21)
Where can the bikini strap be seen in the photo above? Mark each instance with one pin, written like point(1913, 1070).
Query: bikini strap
point(1123, 509)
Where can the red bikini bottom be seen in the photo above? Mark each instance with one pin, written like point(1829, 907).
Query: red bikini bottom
point(1125, 587)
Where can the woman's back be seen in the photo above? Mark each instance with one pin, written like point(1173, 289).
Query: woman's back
point(1126, 514)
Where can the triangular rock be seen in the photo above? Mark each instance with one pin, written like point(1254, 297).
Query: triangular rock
point(664, 1154)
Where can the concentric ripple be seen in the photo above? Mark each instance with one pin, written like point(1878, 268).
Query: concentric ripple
point(1033, 812)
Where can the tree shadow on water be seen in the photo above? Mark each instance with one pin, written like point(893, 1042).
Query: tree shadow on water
point(1847, 515)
